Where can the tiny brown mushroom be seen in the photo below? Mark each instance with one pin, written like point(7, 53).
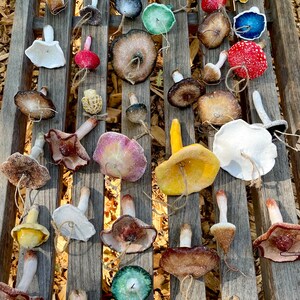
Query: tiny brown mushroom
point(91, 13)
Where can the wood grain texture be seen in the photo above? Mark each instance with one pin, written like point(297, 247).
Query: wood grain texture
point(85, 258)
point(281, 281)
point(13, 123)
point(177, 57)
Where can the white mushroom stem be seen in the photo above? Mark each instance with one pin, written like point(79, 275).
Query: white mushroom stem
point(33, 214)
point(222, 204)
point(48, 33)
point(94, 3)
point(78, 295)
point(38, 146)
point(274, 212)
point(87, 43)
point(222, 58)
point(127, 206)
point(259, 108)
point(86, 127)
point(133, 98)
point(177, 76)
point(29, 270)
point(185, 236)
point(84, 199)
point(44, 90)
point(254, 9)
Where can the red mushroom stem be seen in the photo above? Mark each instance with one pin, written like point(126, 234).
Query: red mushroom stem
point(87, 43)
point(86, 127)
point(274, 212)
point(222, 204)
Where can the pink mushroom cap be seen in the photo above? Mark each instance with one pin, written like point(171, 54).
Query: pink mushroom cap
point(247, 55)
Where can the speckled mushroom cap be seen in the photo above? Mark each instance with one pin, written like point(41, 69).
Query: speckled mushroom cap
point(94, 15)
point(120, 156)
point(218, 108)
point(213, 30)
point(224, 234)
point(134, 56)
point(35, 105)
point(184, 261)
point(129, 8)
point(34, 174)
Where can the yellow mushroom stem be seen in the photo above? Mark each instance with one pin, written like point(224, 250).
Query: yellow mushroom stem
point(175, 136)
point(33, 215)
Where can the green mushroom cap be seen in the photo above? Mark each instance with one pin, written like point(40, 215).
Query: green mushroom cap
point(131, 282)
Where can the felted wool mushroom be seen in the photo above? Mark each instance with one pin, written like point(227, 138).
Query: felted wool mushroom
point(56, 6)
point(128, 233)
point(189, 169)
point(20, 292)
point(131, 282)
point(218, 108)
point(120, 157)
point(214, 29)
point(35, 105)
point(281, 243)
point(245, 151)
point(46, 53)
point(210, 6)
point(30, 234)
point(90, 14)
point(134, 56)
point(185, 91)
point(66, 148)
point(24, 170)
point(71, 221)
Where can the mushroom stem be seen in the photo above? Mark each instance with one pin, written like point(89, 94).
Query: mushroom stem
point(48, 33)
point(29, 270)
point(86, 127)
point(37, 148)
point(222, 204)
point(127, 206)
point(78, 295)
point(177, 76)
point(175, 136)
point(259, 108)
point(133, 98)
point(94, 3)
point(87, 43)
point(274, 212)
point(185, 236)
point(222, 58)
point(44, 90)
point(33, 214)
point(84, 199)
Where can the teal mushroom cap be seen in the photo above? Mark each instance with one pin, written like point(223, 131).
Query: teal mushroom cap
point(158, 18)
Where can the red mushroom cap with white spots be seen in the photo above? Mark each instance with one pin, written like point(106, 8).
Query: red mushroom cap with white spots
point(249, 55)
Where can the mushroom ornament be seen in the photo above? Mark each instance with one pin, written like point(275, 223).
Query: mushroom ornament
point(281, 243)
point(91, 102)
point(90, 14)
point(56, 6)
point(78, 295)
point(210, 6)
point(47, 53)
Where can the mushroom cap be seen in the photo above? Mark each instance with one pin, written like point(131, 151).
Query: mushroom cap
point(10, 293)
point(210, 6)
point(136, 112)
point(127, 229)
point(73, 223)
point(95, 15)
point(131, 282)
point(30, 235)
point(218, 107)
point(134, 56)
point(237, 137)
point(184, 261)
point(249, 24)
point(266, 243)
point(129, 8)
point(185, 92)
point(120, 156)
point(224, 234)
point(87, 59)
point(158, 18)
point(34, 174)
point(249, 55)
point(275, 126)
point(56, 6)
point(200, 167)
point(213, 30)
point(35, 105)
point(66, 149)
point(46, 54)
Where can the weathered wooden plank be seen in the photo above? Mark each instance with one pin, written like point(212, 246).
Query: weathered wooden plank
point(12, 122)
point(286, 51)
point(177, 57)
point(85, 258)
point(281, 281)
point(48, 197)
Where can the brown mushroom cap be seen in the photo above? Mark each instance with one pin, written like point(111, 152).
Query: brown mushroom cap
point(17, 165)
point(224, 234)
point(218, 107)
point(183, 261)
point(185, 92)
point(213, 30)
point(134, 56)
point(35, 105)
point(95, 15)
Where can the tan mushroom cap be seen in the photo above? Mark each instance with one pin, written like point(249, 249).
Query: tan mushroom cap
point(218, 108)
point(224, 234)
point(184, 261)
point(17, 165)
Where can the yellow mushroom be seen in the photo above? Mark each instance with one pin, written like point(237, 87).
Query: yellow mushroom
point(189, 169)
point(92, 102)
point(30, 234)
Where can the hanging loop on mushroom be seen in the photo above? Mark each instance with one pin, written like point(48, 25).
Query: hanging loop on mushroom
point(185, 293)
point(58, 235)
point(246, 80)
point(56, 6)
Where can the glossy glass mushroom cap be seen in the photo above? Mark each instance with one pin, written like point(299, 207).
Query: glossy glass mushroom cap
point(120, 156)
point(129, 8)
point(131, 282)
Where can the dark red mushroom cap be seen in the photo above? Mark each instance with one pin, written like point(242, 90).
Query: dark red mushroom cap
point(9, 293)
point(247, 55)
